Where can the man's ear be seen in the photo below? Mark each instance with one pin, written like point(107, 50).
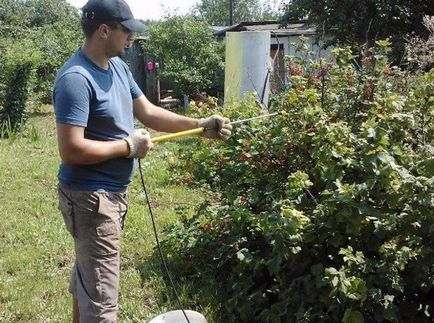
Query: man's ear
point(104, 31)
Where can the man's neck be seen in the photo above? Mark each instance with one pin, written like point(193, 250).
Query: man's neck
point(95, 54)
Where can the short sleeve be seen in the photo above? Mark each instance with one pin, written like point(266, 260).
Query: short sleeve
point(134, 88)
point(71, 99)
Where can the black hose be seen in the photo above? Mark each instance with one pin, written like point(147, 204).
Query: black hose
point(166, 268)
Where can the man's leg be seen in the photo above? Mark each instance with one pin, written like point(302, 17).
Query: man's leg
point(97, 219)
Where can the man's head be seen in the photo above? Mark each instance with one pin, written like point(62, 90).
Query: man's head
point(110, 12)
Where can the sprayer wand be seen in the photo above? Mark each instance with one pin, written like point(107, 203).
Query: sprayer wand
point(199, 131)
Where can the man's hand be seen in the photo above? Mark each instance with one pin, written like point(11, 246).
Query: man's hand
point(216, 127)
point(139, 143)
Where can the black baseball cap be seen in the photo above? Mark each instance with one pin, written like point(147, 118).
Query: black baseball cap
point(112, 10)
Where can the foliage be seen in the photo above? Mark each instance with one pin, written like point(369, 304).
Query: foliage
point(273, 10)
point(18, 72)
point(17, 16)
point(421, 51)
point(216, 12)
point(326, 212)
point(363, 22)
point(36, 38)
point(49, 12)
point(58, 45)
point(190, 55)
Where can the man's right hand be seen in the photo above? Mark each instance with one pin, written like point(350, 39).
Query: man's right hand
point(139, 143)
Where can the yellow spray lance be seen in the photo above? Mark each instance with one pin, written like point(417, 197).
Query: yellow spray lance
point(199, 131)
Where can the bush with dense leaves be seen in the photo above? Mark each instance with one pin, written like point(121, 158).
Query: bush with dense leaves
point(34, 43)
point(326, 212)
point(360, 23)
point(18, 68)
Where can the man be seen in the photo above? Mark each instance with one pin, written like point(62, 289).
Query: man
point(96, 99)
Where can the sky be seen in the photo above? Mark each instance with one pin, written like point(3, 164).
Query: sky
point(156, 9)
point(151, 9)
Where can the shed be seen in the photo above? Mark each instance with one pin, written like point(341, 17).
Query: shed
point(282, 38)
point(144, 69)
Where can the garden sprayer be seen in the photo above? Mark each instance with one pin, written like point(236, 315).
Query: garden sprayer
point(199, 131)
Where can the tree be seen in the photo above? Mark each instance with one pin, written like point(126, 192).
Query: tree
point(216, 12)
point(421, 51)
point(364, 22)
point(273, 9)
point(189, 53)
point(36, 38)
point(19, 14)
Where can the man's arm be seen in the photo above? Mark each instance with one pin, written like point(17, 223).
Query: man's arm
point(216, 127)
point(160, 119)
point(72, 95)
point(74, 148)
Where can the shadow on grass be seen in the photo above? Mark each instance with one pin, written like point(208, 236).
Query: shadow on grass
point(39, 113)
point(197, 291)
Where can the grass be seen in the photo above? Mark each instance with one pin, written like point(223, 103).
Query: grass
point(36, 253)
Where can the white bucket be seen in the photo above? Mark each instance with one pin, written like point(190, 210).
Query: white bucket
point(178, 317)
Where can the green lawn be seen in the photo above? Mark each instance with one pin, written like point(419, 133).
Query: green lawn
point(36, 253)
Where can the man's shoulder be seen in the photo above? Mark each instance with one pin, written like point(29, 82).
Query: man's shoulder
point(73, 80)
point(118, 63)
point(75, 67)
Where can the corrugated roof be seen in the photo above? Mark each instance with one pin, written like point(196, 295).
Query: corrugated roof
point(272, 26)
point(218, 28)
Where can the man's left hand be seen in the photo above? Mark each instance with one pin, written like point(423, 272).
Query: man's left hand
point(216, 127)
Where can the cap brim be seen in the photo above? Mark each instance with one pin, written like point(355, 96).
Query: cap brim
point(134, 25)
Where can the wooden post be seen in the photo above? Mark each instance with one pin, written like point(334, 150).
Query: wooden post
point(231, 12)
point(152, 89)
point(145, 78)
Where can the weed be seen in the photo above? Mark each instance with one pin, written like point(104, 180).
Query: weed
point(7, 130)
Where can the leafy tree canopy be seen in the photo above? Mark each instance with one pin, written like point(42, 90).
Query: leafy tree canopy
point(273, 9)
point(24, 14)
point(363, 22)
point(36, 38)
point(189, 53)
point(216, 12)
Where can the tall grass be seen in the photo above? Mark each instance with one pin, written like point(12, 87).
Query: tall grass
point(7, 130)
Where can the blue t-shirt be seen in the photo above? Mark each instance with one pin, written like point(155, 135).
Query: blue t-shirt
point(100, 101)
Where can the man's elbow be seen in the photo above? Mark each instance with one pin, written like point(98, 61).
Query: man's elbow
point(70, 155)
point(67, 159)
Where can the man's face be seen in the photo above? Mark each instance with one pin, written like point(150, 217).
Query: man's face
point(120, 38)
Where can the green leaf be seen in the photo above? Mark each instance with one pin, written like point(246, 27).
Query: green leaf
point(351, 316)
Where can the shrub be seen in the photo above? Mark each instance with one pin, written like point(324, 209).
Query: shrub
point(421, 50)
point(58, 45)
point(19, 64)
point(326, 212)
point(34, 44)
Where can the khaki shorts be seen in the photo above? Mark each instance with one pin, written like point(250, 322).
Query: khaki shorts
point(95, 220)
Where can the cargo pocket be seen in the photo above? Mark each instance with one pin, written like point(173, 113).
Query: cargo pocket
point(106, 226)
point(67, 210)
